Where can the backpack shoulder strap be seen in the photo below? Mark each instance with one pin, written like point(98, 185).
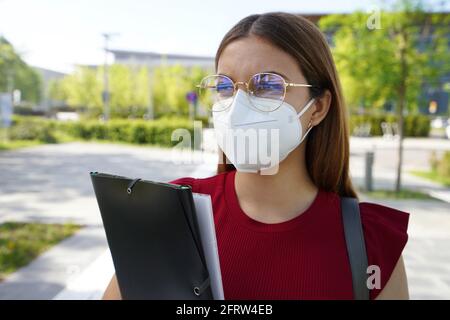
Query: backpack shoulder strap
point(356, 248)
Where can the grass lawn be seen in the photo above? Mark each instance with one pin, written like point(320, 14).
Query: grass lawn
point(16, 144)
point(20, 243)
point(403, 194)
point(61, 138)
point(433, 176)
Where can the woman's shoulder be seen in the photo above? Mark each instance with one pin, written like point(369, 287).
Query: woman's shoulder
point(206, 185)
point(385, 233)
point(384, 225)
point(374, 215)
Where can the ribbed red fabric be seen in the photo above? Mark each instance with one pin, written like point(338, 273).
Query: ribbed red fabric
point(303, 258)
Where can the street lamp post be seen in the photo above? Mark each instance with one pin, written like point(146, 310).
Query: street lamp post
point(106, 94)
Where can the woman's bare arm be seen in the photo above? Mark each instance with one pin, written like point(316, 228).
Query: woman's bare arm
point(397, 286)
point(112, 292)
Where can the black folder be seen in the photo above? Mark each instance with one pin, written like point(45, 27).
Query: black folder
point(153, 236)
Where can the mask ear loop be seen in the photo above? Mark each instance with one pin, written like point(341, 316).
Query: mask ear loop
point(307, 131)
point(306, 107)
point(310, 121)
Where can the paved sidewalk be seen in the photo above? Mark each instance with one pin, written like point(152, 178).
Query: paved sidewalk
point(51, 183)
point(91, 283)
point(384, 173)
point(50, 273)
point(409, 143)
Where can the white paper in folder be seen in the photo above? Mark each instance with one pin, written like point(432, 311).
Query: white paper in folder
point(204, 211)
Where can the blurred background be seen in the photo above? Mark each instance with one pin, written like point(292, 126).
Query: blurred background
point(103, 85)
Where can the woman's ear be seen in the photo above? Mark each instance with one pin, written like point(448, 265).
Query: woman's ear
point(322, 105)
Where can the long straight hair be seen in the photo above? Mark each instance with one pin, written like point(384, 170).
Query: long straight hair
point(327, 146)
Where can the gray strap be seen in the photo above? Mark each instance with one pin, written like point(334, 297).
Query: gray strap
point(356, 248)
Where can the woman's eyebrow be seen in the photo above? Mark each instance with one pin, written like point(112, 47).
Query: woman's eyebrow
point(280, 74)
point(224, 74)
point(270, 71)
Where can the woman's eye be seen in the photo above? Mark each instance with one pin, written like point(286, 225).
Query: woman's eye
point(268, 85)
point(223, 87)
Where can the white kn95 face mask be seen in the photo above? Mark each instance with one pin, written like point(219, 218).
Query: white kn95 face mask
point(255, 140)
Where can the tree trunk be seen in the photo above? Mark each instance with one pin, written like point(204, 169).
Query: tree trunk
point(401, 107)
point(398, 183)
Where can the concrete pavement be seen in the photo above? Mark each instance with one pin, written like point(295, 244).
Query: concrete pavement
point(50, 273)
point(51, 183)
point(417, 153)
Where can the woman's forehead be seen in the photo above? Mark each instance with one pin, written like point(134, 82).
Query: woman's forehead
point(247, 56)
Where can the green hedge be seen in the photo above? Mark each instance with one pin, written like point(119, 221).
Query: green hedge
point(159, 132)
point(155, 132)
point(414, 125)
point(33, 128)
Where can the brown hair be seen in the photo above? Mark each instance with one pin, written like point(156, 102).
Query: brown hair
point(327, 146)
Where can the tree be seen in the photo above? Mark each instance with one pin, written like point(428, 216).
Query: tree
point(81, 89)
point(16, 74)
point(130, 89)
point(390, 63)
point(170, 86)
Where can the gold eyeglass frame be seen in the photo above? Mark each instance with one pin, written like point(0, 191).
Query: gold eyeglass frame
point(285, 84)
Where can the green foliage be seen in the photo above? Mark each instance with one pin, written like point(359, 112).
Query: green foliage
point(403, 194)
point(170, 86)
point(440, 169)
point(119, 130)
point(16, 144)
point(20, 243)
point(16, 74)
point(131, 90)
point(154, 132)
point(151, 132)
point(33, 128)
point(443, 165)
point(374, 65)
point(433, 176)
point(80, 89)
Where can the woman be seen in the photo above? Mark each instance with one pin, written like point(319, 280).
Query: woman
point(278, 222)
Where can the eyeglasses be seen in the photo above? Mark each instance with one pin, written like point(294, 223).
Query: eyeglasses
point(263, 89)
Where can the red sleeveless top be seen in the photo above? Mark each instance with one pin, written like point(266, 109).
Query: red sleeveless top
point(302, 258)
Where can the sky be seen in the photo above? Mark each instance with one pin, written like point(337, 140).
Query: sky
point(59, 34)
